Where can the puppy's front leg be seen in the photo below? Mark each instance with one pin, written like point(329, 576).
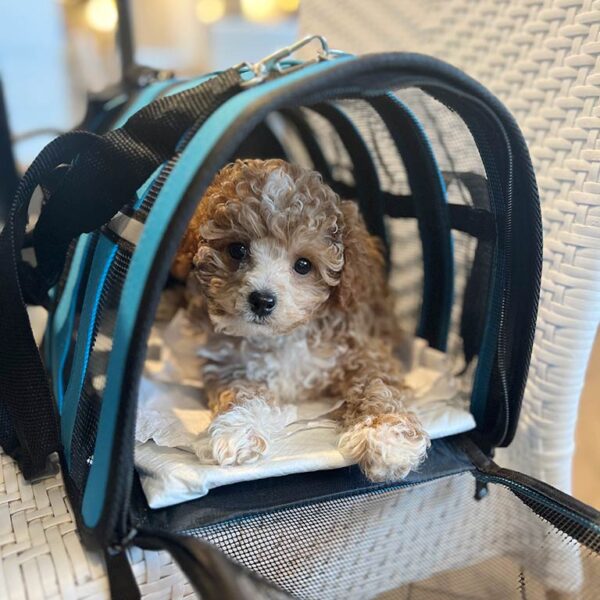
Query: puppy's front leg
point(380, 434)
point(245, 422)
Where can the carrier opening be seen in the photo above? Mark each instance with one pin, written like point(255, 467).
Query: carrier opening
point(358, 148)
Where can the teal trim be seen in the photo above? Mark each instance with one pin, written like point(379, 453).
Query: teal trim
point(114, 102)
point(143, 258)
point(103, 257)
point(63, 317)
point(59, 329)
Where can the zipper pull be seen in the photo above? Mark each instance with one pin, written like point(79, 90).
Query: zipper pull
point(481, 490)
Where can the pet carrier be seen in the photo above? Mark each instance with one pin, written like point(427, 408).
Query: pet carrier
point(439, 170)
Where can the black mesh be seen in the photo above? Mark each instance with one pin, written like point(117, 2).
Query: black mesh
point(332, 147)
point(433, 540)
point(390, 169)
point(452, 142)
point(88, 410)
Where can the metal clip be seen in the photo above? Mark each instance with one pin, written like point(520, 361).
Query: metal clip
point(272, 63)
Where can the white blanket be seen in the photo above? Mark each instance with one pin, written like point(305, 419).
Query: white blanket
point(172, 452)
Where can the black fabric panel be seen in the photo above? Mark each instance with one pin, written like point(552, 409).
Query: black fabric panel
point(264, 495)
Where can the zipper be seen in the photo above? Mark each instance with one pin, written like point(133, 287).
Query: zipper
point(487, 471)
point(552, 501)
point(506, 287)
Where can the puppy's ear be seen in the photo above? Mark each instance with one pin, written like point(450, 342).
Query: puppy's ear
point(363, 275)
point(182, 263)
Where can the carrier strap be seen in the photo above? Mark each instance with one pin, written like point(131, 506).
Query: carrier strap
point(472, 322)
point(117, 163)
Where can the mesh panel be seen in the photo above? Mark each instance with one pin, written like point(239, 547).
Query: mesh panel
point(406, 275)
point(390, 169)
point(332, 147)
point(429, 541)
point(456, 155)
point(88, 411)
point(452, 142)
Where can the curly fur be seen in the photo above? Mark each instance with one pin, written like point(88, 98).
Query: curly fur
point(331, 333)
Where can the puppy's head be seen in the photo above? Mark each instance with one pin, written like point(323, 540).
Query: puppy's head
point(271, 247)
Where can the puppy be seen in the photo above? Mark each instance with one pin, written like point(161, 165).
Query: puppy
point(291, 290)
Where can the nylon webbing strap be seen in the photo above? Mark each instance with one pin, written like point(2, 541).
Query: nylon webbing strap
point(368, 189)
point(28, 425)
point(472, 322)
point(108, 173)
point(104, 174)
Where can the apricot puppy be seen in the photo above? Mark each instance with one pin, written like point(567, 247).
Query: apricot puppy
point(292, 292)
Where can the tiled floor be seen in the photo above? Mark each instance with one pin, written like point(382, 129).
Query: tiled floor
point(586, 478)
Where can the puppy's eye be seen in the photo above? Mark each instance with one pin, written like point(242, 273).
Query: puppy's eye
point(237, 251)
point(302, 266)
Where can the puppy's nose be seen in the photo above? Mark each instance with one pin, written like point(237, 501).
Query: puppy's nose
point(262, 302)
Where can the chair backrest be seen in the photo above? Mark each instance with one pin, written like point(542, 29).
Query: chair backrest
point(541, 59)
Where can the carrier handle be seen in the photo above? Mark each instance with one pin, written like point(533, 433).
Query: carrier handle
point(118, 163)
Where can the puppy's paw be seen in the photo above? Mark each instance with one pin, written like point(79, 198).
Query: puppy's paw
point(243, 434)
point(387, 447)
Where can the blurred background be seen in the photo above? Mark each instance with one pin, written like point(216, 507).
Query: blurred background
point(54, 53)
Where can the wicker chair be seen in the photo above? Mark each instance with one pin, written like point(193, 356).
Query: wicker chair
point(542, 58)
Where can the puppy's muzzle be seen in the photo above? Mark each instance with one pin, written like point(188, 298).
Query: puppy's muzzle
point(262, 302)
